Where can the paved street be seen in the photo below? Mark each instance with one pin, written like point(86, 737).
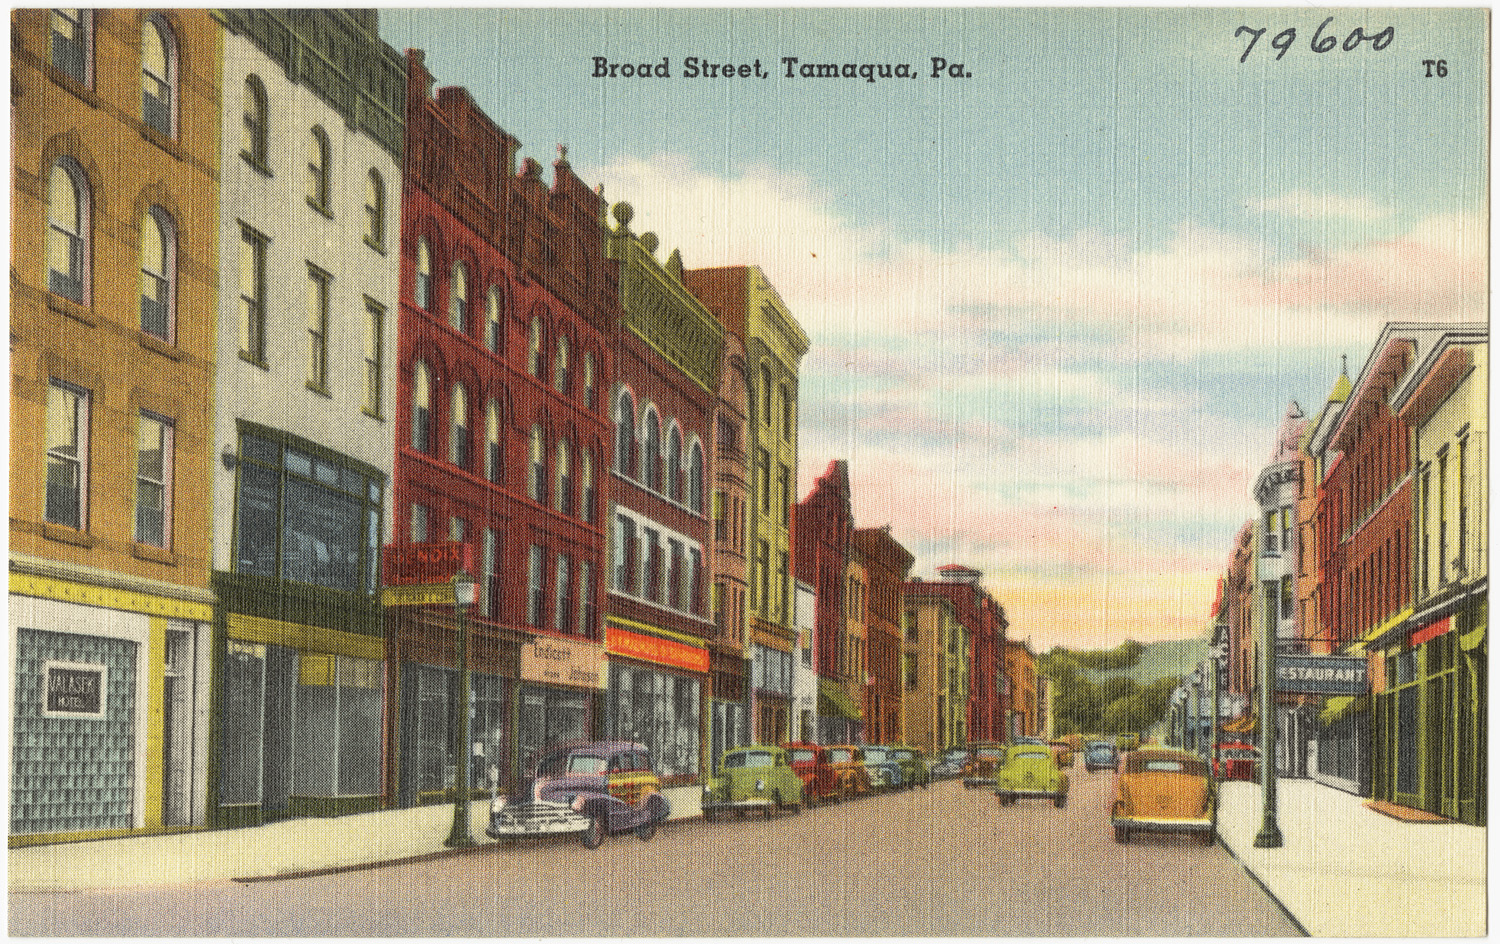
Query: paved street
point(943, 862)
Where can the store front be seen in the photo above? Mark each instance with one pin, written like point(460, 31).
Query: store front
point(560, 683)
point(771, 681)
point(840, 718)
point(730, 717)
point(657, 683)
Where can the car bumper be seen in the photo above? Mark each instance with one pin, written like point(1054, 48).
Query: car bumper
point(979, 781)
point(535, 819)
point(751, 803)
point(1029, 792)
point(1163, 824)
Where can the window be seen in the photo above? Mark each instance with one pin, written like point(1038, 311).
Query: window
point(317, 169)
point(536, 598)
point(489, 586)
point(536, 483)
point(788, 423)
point(419, 518)
point(310, 516)
point(1288, 597)
point(153, 478)
point(765, 397)
point(763, 479)
point(1442, 515)
point(158, 273)
point(252, 314)
point(784, 485)
point(651, 453)
point(67, 230)
point(1461, 562)
point(674, 464)
point(72, 46)
point(494, 459)
point(374, 357)
point(560, 365)
point(762, 577)
point(254, 118)
point(317, 329)
point(674, 573)
point(424, 276)
point(458, 426)
point(375, 209)
point(588, 380)
point(586, 485)
point(158, 74)
point(492, 319)
point(67, 454)
point(563, 497)
point(458, 299)
point(562, 611)
point(421, 407)
point(693, 581)
point(651, 541)
point(339, 706)
point(625, 573)
point(625, 434)
point(695, 478)
point(534, 348)
point(1286, 530)
point(586, 590)
point(458, 529)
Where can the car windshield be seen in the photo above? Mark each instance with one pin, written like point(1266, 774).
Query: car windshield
point(904, 755)
point(837, 755)
point(874, 754)
point(1101, 752)
point(988, 753)
point(802, 755)
point(748, 759)
point(1028, 754)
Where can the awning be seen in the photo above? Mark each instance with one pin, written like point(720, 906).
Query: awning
point(1242, 725)
point(1339, 707)
point(833, 700)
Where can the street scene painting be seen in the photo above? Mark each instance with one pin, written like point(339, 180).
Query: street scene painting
point(712, 472)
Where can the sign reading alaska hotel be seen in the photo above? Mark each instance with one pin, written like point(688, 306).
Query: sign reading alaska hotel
point(1322, 675)
point(72, 690)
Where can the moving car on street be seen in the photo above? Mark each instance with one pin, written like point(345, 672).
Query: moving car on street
point(1100, 755)
point(758, 776)
point(591, 788)
point(1063, 752)
point(1163, 790)
point(1029, 772)
point(979, 770)
point(914, 770)
point(819, 782)
point(848, 763)
point(950, 763)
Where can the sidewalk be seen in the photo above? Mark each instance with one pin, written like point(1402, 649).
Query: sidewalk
point(1345, 870)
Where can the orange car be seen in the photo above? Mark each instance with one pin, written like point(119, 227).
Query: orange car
point(1163, 790)
point(979, 769)
point(848, 763)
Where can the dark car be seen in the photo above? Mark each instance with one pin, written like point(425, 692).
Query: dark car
point(591, 788)
point(979, 769)
point(1100, 755)
point(819, 783)
point(950, 763)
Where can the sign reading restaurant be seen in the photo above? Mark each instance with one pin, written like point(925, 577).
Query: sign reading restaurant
point(1322, 675)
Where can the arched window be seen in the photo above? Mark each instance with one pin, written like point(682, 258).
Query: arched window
point(494, 458)
point(158, 273)
point(317, 169)
point(586, 485)
point(695, 478)
point(536, 478)
point(421, 407)
point(560, 365)
point(67, 230)
point(562, 501)
point(375, 209)
point(588, 380)
point(72, 44)
point(458, 426)
point(651, 453)
point(492, 319)
point(255, 118)
point(674, 464)
point(424, 276)
point(158, 74)
point(625, 434)
point(458, 299)
point(534, 348)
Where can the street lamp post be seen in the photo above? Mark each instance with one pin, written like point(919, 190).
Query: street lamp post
point(464, 591)
point(1269, 836)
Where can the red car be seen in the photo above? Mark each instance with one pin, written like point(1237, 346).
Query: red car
point(819, 782)
point(1236, 760)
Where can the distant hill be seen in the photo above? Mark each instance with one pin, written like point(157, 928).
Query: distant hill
point(1169, 658)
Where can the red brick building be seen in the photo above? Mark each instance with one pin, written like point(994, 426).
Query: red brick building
point(985, 620)
point(823, 535)
point(887, 567)
point(502, 439)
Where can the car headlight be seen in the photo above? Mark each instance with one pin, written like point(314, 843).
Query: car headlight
point(760, 785)
point(496, 805)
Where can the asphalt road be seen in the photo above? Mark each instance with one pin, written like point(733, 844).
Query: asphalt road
point(945, 862)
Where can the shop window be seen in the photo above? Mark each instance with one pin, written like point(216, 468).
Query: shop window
point(337, 740)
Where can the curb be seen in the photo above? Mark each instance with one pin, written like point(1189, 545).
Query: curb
point(1263, 887)
point(366, 866)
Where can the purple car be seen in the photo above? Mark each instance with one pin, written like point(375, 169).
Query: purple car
point(590, 788)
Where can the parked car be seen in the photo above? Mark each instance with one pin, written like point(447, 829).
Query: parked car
point(1063, 752)
point(1100, 755)
point(819, 782)
point(1028, 771)
point(1236, 760)
point(592, 788)
point(914, 769)
point(1161, 789)
point(885, 771)
point(848, 763)
point(979, 769)
point(757, 776)
point(950, 763)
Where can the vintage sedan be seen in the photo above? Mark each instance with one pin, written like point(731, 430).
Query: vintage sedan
point(914, 769)
point(1029, 772)
point(848, 763)
point(979, 770)
point(591, 788)
point(754, 777)
point(950, 763)
point(1063, 752)
point(819, 782)
point(1100, 755)
point(1163, 790)
point(885, 771)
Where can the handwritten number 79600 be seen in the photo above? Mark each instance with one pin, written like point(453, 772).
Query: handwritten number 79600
point(1320, 43)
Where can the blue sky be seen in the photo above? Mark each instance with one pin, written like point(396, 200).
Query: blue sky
point(1058, 307)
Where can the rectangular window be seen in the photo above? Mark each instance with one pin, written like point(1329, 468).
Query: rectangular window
point(374, 356)
point(652, 556)
point(1286, 530)
point(536, 598)
point(693, 581)
point(317, 328)
point(153, 481)
point(763, 577)
point(784, 482)
point(489, 587)
point(458, 529)
point(419, 516)
point(1462, 560)
point(674, 573)
point(67, 454)
point(562, 610)
point(625, 580)
point(338, 726)
point(1288, 598)
point(1442, 510)
point(1272, 533)
point(586, 613)
point(70, 44)
point(763, 479)
point(252, 314)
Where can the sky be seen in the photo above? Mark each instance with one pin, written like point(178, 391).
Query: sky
point(1059, 296)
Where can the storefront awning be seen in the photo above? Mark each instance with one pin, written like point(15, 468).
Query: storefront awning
point(1241, 725)
point(833, 700)
point(1339, 707)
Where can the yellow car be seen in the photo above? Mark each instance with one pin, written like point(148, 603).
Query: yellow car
point(1028, 771)
point(1163, 790)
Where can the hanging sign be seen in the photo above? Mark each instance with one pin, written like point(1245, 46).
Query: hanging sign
point(1322, 675)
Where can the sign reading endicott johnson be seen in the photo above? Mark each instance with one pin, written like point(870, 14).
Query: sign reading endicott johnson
point(563, 662)
point(1322, 675)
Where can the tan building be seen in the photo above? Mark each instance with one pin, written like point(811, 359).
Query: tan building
point(114, 121)
point(1020, 673)
point(935, 671)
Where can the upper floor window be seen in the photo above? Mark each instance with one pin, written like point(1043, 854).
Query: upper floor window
point(375, 209)
point(625, 434)
point(765, 396)
point(534, 348)
point(588, 380)
point(674, 464)
point(560, 365)
point(492, 319)
point(562, 500)
point(67, 445)
point(252, 314)
point(67, 230)
point(424, 276)
point(374, 356)
point(536, 482)
point(421, 407)
point(72, 44)
point(153, 481)
point(695, 478)
point(317, 328)
point(651, 452)
point(458, 427)
point(317, 169)
point(494, 458)
point(255, 121)
point(158, 273)
point(158, 74)
point(586, 485)
point(458, 299)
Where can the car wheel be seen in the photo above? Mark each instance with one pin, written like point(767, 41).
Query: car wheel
point(775, 804)
point(1208, 838)
point(710, 815)
point(1060, 801)
point(593, 836)
point(646, 830)
point(1122, 835)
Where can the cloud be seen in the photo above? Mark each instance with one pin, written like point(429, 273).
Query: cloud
point(1306, 205)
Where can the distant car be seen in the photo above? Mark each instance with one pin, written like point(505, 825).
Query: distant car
point(1164, 790)
point(950, 763)
point(1028, 739)
point(848, 763)
point(914, 769)
point(885, 772)
point(1125, 743)
point(593, 788)
point(1236, 760)
point(1029, 771)
point(819, 783)
point(1100, 755)
point(979, 769)
point(1063, 752)
point(758, 776)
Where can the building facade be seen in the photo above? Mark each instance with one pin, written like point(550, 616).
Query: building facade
point(824, 535)
point(728, 561)
point(887, 568)
point(935, 669)
point(1021, 679)
point(986, 715)
point(114, 250)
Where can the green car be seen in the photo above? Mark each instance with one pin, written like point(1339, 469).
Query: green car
point(914, 769)
point(1029, 771)
point(756, 776)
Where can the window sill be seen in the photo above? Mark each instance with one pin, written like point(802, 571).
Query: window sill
point(319, 389)
point(72, 309)
point(374, 414)
point(156, 555)
point(375, 244)
point(164, 141)
point(256, 164)
point(320, 208)
point(66, 535)
point(84, 94)
point(152, 343)
point(249, 358)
